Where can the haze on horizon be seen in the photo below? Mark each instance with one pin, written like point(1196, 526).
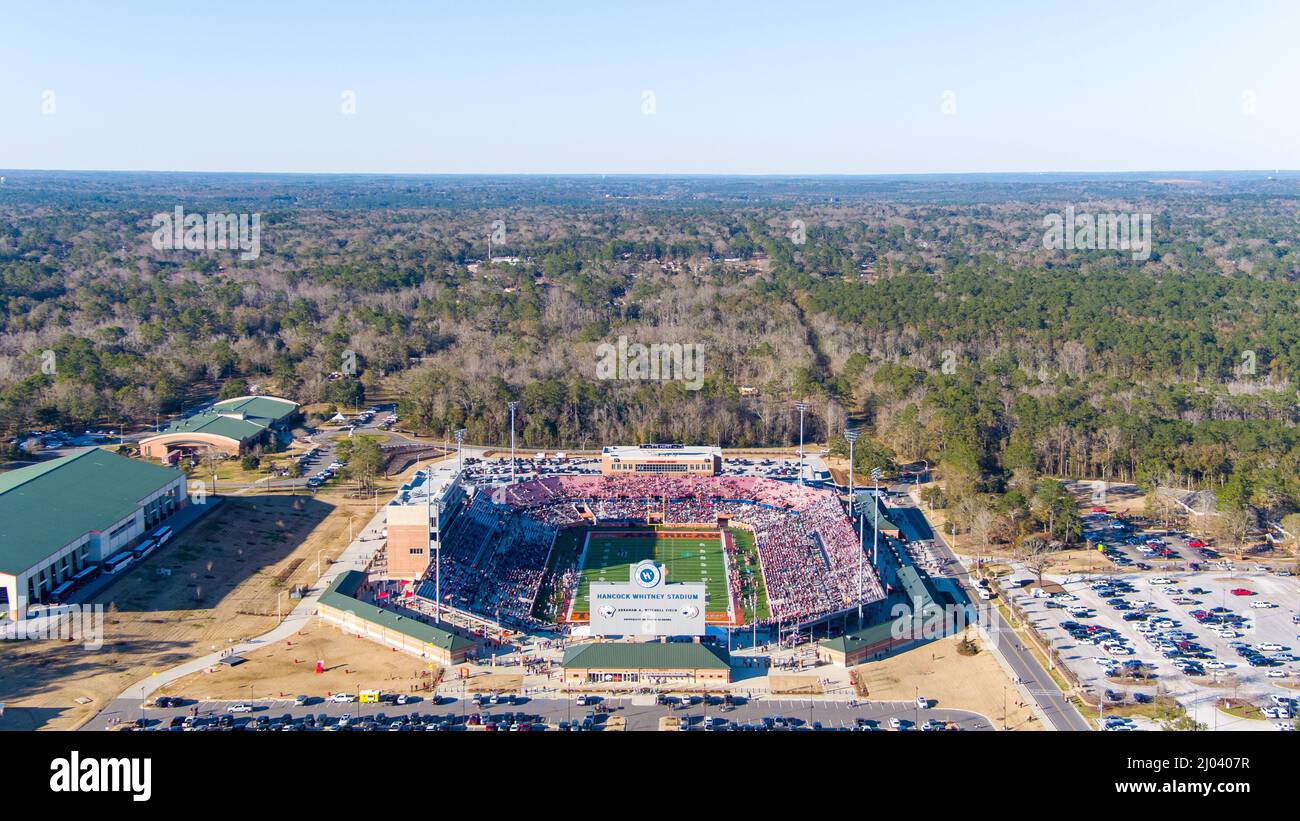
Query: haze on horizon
point(731, 89)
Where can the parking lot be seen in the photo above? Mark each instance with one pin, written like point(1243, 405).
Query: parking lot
point(595, 713)
point(1196, 636)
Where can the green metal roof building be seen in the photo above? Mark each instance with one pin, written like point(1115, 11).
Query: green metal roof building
point(646, 662)
point(922, 620)
point(228, 427)
point(59, 517)
point(339, 605)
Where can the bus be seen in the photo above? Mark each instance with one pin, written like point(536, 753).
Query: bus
point(162, 535)
point(86, 573)
point(119, 562)
point(144, 548)
point(60, 594)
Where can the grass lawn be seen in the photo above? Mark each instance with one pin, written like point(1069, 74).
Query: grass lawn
point(610, 558)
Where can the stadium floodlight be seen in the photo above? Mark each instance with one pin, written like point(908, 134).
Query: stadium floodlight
point(802, 407)
point(513, 406)
point(460, 448)
point(851, 434)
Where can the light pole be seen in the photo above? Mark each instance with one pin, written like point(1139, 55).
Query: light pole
point(852, 434)
point(875, 522)
point(802, 407)
point(460, 448)
point(512, 406)
point(435, 552)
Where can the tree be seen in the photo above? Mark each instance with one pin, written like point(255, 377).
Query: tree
point(1035, 554)
point(1055, 504)
point(365, 461)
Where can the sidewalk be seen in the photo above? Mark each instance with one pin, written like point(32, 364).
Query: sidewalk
point(354, 557)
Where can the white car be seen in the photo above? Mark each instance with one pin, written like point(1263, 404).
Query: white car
point(1216, 665)
point(241, 707)
point(1262, 605)
point(923, 702)
point(1276, 674)
point(1225, 633)
point(895, 724)
point(343, 698)
point(1271, 646)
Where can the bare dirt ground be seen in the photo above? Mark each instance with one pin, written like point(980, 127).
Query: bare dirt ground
point(495, 682)
point(217, 582)
point(794, 685)
point(288, 669)
point(938, 672)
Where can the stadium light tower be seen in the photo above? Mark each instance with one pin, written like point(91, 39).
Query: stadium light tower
point(851, 434)
point(875, 525)
point(460, 448)
point(802, 407)
point(435, 552)
point(513, 406)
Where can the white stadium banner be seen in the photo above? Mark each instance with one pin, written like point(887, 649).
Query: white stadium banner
point(645, 606)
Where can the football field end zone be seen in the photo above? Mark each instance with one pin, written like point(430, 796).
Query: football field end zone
point(732, 616)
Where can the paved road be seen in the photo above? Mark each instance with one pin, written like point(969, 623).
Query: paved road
point(640, 713)
point(1036, 681)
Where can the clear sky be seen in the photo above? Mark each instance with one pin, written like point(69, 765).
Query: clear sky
point(738, 87)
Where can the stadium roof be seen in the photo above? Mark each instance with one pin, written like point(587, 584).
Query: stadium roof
point(418, 489)
point(646, 656)
point(877, 514)
point(47, 506)
point(341, 594)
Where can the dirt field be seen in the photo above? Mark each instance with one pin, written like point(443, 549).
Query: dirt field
point(288, 669)
point(955, 681)
point(794, 685)
point(495, 682)
point(215, 583)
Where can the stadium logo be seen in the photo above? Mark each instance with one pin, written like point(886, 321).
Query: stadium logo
point(689, 612)
point(647, 574)
point(607, 612)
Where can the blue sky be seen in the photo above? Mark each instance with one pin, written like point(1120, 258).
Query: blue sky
point(846, 88)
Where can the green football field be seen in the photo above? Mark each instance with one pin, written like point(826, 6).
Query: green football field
point(610, 559)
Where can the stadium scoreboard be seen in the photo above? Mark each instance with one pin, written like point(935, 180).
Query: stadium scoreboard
point(646, 606)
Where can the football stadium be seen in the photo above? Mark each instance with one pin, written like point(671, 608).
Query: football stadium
point(523, 556)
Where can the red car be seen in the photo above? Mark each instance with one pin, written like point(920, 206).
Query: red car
point(1241, 591)
point(1196, 543)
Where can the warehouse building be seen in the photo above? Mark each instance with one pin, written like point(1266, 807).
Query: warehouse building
point(230, 428)
point(60, 520)
point(654, 460)
point(645, 663)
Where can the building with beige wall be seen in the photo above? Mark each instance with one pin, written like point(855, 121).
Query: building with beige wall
point(229, 428)
point(419, 518)
point(660, 460)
